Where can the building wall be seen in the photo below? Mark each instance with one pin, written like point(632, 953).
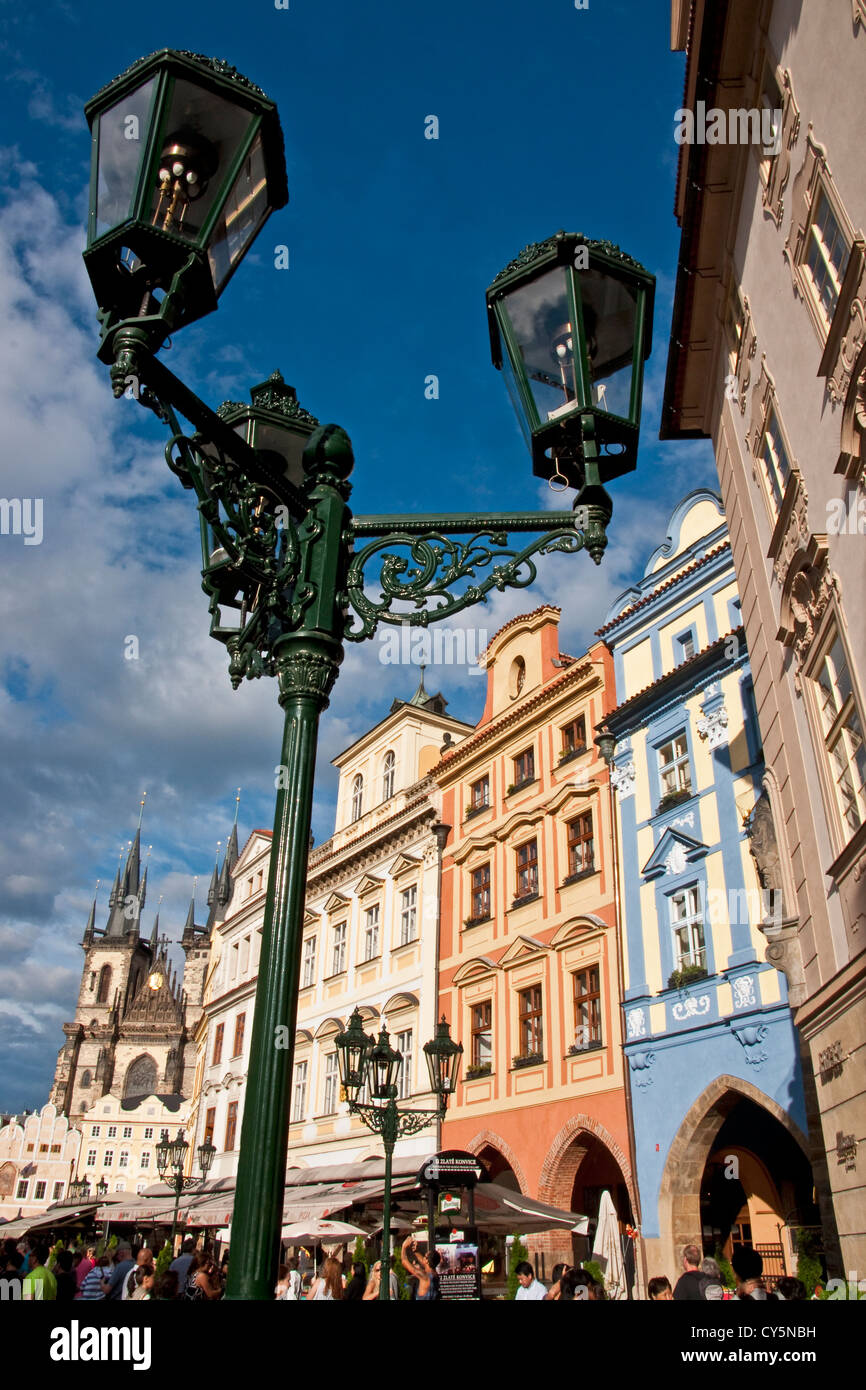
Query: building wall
point(538, 1118)
point(733, 1027)
point(38, 1155)
point(126, 1133)
point(755, 359)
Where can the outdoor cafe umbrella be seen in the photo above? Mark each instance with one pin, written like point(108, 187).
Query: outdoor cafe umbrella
point(607, 1249)
point(317, 1231)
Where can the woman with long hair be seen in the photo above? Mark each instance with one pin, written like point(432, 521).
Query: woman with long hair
point(329, 1285)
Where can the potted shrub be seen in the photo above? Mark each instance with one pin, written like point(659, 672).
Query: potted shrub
point(689, 973)
point(472, 1073)
point(675, 798)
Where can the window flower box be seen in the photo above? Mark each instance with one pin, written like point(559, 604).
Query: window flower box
point(676, 798)
point(519, 786)
point(687, 976)
point(473, 1073)
point(476, 810)
point(570, 753)
point(577, 1048)
point(575, 878)
point(476, 921)
point(527, 898)
point(532, 1059)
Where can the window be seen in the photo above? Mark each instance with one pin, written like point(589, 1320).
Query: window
point(404, 1047)
point(94, 1131)
point(86, 1079)
point(140, 1186)
point(231, 1126)
point(357, 797)
point(104, 985)
point(299, 1091)
point(112, 1131)
point(219, 1034)
point(587, 1008)
point(688, 927)
point(580, 845)
point(479, 794)
point(309, 976)
point(21, 1190)
point(388, 765)
point(144, 1160)
point(120, 1186)
point(371, 933)
point(685, 647)
point(127, 1131)
point(775, 463)
point(338, 957)
point(574, 737)
point(148, 1131)
point(674, 773)
point(91, 1158)
point(330, 1083)
point(55, 1148)
point(482, 1036)
point(240, 1024)
point(123, 1161)
point(408, 915)
point(209, 1124)
point(527, 869)
point(843, 735)
point(481, 893)
point(108, 1159)
point(826, 257)
point(530, 1030)
point(57, 1192)
point(43, 1148)
point(39, 1192)
point(524, 767)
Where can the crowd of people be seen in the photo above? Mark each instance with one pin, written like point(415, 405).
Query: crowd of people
point(127, 1272)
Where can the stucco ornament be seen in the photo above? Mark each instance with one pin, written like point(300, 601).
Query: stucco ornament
point(636, 1023)
point(750, 1039)
point(743, 988)
point(692, 1007)
point(675, 863)
point(640, 1063)
point(623, 779)
point(713, 727)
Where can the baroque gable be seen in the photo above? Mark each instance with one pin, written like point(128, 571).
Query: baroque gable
point(673, 854)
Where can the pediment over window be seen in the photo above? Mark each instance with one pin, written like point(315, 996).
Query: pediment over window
point(404, 864)
point(370, 883)
point(335, 902)
point(328, 1026)
point(521, 950)
point(673, 854)
point(403, 1000)
point(574, 791)
point(577, 929)
point(519, 823)
point(479, 845)
point(303, 1035)
point(312, 919)
point(475, 969)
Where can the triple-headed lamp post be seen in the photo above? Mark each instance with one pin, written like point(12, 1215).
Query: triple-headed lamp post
point(371, 1067)
point(187, 166)
point(171, 1160)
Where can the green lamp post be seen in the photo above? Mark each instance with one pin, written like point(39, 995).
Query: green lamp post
point(373, 1067)
point(187, 165)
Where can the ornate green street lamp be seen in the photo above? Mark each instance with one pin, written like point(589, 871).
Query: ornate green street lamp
point(170, 1161)
point(187, 165)
point(79, 1191)
point(374, 1065)
point(570, 326)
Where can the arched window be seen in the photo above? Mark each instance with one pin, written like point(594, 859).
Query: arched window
point(104, 985)
point(85, 1079)
point(388, 766)
point(357, 797)
point(140, 1077)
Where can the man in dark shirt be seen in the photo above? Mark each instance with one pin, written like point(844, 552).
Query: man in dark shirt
point(692, 1283)
point(112, 1287)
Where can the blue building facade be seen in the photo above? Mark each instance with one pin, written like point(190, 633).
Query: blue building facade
point(717, 1100)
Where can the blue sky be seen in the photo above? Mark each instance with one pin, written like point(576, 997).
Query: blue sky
point(548, 117)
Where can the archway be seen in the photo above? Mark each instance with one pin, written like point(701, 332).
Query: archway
point(583, 1162)
point(503, 1165)
point(770, 1183)
point(141, 1078)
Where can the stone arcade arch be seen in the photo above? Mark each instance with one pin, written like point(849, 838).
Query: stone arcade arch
point(141, 1077)
point(679, 1204)
point(499, 1158)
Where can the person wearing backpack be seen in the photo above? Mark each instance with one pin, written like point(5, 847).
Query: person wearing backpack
point(692, 1284)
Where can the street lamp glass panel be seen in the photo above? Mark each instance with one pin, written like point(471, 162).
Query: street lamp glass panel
point(202, 135)
point(443, 1060)
point(242, 216)
point(121, 145)
point(541, 321)
point(206, 1154)
point(178, 1149)
point(385, 1065)
point(609, 314)
point(353, 1051)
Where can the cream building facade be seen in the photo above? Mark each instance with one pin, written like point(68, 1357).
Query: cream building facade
point(38, 1157)
point(369, 941)
point(119, 1138)
point(768, 359)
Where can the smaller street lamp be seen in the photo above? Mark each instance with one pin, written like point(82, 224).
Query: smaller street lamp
point(363, 1061)
point(101, 1189)
point(79, 1191)
point(170, 1159)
